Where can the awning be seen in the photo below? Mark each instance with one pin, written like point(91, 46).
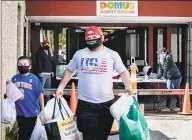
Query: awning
point(111, 19)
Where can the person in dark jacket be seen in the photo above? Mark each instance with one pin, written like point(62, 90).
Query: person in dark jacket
point(44, 64)
point(169, 71)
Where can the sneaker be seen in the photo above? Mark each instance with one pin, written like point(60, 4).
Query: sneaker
point(177, 109)
point(166, 109)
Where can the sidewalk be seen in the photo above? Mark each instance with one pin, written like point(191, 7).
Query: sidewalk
point(167, 127)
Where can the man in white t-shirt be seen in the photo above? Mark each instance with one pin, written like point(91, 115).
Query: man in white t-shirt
point(95, 65)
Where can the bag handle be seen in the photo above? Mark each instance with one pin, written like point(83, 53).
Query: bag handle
point(54, 109)
point(64, 107)
point(56, 100)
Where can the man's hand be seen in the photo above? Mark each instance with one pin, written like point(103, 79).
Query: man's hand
point(65, 79)
point(59, 92)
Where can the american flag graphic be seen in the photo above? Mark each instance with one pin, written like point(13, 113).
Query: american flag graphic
point(103, 65)
point(98, 66)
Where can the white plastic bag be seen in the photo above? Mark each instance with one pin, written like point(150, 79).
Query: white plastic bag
point(64, 128)
point(121, 106)
point(8, 112)
point(46, 115)
point(12, 92)
point(39, 132)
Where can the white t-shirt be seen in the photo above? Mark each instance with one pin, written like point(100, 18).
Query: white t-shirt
point(95, 71)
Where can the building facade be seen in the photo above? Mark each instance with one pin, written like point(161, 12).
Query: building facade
point(132, 28)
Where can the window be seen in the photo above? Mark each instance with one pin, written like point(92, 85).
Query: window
point(48, 35)
point(176, 41)
point(160, 33)
point(62, 51)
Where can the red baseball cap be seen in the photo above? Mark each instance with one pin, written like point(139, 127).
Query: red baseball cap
point(45, 42)
point(93, 30)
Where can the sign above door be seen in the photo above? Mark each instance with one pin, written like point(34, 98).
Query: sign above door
point(117, 8)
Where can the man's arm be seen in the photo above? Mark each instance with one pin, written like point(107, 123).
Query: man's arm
point(72, 66)
point(41, 100)
point(65, 79)
point(121, 69)
point(125, 76)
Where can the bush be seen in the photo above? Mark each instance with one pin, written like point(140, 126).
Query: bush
point(12, 134)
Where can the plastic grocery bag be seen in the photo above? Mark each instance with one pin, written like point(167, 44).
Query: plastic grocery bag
point(8, 112)
point(12, 92)
point(121, 106)
point(46, 115)
point(65, 129)
point(133, 126)
point(39, 132)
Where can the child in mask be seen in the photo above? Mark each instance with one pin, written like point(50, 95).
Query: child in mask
point(27, 107)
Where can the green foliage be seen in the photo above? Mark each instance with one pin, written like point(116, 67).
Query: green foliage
point(62, 38)
point(12, 134)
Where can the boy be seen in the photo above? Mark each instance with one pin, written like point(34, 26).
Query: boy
point(27, 107)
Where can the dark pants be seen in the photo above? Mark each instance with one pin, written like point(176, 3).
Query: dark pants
point(94, 120)
point(174, 84)
point(26, 126)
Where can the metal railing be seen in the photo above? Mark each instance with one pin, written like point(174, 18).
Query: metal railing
point(139, 91)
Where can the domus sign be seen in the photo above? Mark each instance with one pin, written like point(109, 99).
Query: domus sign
point(117, 8)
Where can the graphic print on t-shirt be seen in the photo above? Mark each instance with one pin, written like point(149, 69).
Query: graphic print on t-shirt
point(93, 65)
point(22, 85)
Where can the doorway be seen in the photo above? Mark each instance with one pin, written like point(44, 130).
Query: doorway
point(136, 46)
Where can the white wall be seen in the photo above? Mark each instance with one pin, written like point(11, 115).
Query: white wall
point(11, 40)
point(0, 70)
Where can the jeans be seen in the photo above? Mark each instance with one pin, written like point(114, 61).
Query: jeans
point(46, 83)
point(174, 84)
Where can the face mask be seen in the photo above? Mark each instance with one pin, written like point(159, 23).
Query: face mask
point(23, 69)
point(46, 47)
point(162, 57)
point(94, 43)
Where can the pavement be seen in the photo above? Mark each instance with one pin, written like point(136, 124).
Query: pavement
point(167, 127)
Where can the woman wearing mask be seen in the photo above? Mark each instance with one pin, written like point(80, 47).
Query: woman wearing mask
point(169, 71)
